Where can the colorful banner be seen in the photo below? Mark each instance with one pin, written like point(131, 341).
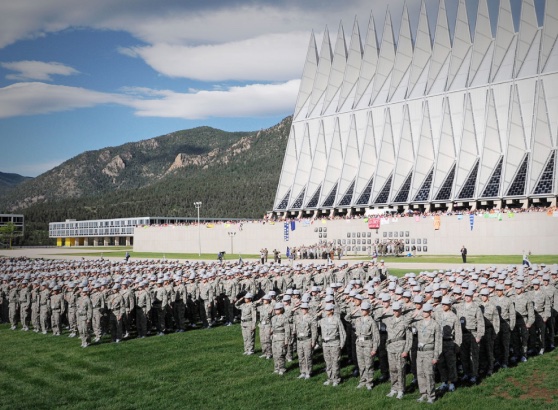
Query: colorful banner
point(374, 223)
point(293, 225)
point(472, 220)
point(437, 222)
point(286, 231)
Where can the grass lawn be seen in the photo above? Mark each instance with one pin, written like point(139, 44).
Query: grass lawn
point(471, 259)
point(157, 255)
point(205, 369)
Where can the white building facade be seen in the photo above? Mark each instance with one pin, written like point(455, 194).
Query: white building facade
point(430, 121)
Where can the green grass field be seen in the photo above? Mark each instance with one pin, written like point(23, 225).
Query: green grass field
point(205, 369)
point(471, 259)
point(109, 252)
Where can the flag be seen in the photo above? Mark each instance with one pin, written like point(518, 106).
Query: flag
point(472, 220)
point(374, 223)
point(286, 231)
point(437, 222)
point(293, 225)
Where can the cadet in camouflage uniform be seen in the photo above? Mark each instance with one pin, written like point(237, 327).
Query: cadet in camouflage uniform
point(117, 310)
point(248, 322)
point(334, 337)
point(552, 294)
point(429, 350)
point(57, 308)
point(130, 305)
point(13, 300)
point(99, 304)
point(542, 310)
point(306, 330)
point(491, 330)
point(451, 343)
point(230, 288)
point(84, 316)
point(525, 318)
point(143, 304)
point(206, 296)
point(71, 297)
point(398, 345)
point(506, 309)
point(35, 308)
point(265, 310)
point(472, 325)
point(367, 341)
point(25, 305)
point(44, 314)
point(179, 309)
point(160, 301)
point(280, 334)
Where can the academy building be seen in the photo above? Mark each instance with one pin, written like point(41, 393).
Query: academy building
point(425, 121)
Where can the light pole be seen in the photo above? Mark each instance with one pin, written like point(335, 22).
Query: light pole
point(232, 234)
point(198, 206)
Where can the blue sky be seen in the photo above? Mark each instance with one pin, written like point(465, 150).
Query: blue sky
point(81, 75)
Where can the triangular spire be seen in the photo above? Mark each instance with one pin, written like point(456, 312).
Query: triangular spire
point(304, 166)
point(492, 151)
point(385, 60)
point(542, 140)
point(369, 61)
point(425, 152)
point(405, 156)
point(334, 163)
point(446, 150)
point(322, 75)
point(461, 42)
point(528, 28)
point(468, 152)
point(337, 68)
point(354, 62)
point(504, 36)
point(482, 40)
point(550, 31)
point(516, 144)
point(386, 159)
point(287, 171)
point(442, 46)
point(368, 161)
point(421, 55)
point(319, 164)
point(404, 54)
point(308, 75)
point(351, 160)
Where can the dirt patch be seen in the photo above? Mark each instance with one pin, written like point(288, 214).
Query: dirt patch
point(531, 388)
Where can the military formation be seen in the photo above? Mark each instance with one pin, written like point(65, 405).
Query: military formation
point(455, 326)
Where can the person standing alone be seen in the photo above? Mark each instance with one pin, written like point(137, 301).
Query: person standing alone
point(464, 254)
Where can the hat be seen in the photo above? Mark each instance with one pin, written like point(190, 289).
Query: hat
point(518, 285)
point(278, 306)
point(427, 308)
point(329, 306)
point(365, 306)
point(535, 282)
point(418, 299)
point(304, 306)
point(446, 301)
point(469, 292)
point(385, 297)
point(248, 296)
point(396, 306)
point(484, 292)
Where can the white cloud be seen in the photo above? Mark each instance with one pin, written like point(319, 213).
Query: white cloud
point(39, 98)
point(274, 57)
point(36, 70)
point(253, 100)
point(249, 101)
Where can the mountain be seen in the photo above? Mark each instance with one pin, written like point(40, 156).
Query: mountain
point(234, 175)
point(9, 181)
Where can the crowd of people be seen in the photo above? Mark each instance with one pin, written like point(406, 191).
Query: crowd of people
point(455, 325)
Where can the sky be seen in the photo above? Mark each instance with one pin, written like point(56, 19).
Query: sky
point(80, 75)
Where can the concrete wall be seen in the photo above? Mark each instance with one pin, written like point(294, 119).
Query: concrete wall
point(535, 232)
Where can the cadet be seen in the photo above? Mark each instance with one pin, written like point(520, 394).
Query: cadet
point(334, 337)
point(542, 310)
point(13, 300)
point(143, 308)
point(44, 313)
point(24, 305)
point(248, 322)
point(160, 301)
point(451, 342)
point(472, 325)
point(99, 304)
point(525, 317)
point(71, 297)
point(552, 294)
point(491, 329)
point(306, 330)
point(117, 310)
point(265, 310)
point(429, 350)
point(280, 333)
point(398, 345)
point(366, 343)
point(57, 308)
point(84, 316)
point(506, 310)
point(180, 300)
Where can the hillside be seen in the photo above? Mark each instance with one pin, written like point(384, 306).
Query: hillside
point(10, 181)
point(233, 174)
